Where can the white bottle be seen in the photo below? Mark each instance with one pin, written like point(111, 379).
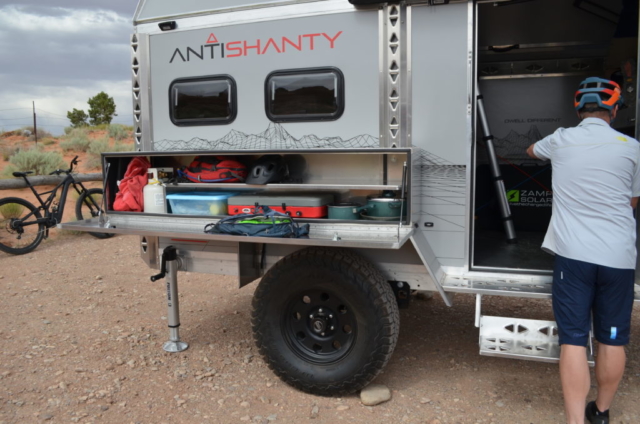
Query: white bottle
point(154, 194)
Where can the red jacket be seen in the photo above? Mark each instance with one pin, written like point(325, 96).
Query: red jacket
point(129, 197)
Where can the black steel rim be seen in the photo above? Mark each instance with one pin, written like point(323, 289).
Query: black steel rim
point(319, 326)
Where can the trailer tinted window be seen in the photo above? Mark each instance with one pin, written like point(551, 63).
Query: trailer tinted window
point(305, 95)
point(203, 101)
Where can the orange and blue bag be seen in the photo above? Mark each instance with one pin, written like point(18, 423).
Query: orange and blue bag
point(214, 169)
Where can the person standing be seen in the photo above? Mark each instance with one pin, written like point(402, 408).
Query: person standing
point(592, 233)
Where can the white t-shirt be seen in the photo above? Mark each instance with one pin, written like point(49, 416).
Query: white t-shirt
point(596, 172)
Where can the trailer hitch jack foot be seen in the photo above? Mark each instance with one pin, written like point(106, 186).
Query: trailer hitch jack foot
point(169, 270)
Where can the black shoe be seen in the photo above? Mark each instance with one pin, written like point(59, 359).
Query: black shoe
point(594, 416)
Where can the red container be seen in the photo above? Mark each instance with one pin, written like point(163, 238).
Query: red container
point(295, 205)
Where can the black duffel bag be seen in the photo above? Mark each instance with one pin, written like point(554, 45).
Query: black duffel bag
point(264, 222)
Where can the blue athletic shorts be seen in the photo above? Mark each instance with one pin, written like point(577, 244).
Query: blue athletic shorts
point(580, 289)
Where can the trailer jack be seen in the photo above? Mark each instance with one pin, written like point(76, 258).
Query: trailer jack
point(169, 269)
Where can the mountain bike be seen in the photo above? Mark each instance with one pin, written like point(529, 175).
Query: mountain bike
point(23, 226)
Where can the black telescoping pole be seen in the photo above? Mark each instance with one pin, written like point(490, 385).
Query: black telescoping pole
point(505, 211)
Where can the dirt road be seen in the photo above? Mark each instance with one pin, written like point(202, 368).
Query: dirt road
point(83, 329)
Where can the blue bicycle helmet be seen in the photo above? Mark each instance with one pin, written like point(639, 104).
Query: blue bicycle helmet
point(605, 93)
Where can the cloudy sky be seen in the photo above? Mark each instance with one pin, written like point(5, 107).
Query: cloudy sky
point(58, 54)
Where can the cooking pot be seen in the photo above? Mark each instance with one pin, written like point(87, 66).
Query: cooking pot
point(379, 218)
point(384, 206)
point(344, 210)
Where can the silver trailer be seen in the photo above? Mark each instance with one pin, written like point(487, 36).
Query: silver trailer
point(361, 99)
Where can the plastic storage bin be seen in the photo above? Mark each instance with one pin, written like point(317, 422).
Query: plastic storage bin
point(302, 205)
point(199, 203)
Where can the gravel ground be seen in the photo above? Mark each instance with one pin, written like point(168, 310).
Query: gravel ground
point(84, 328)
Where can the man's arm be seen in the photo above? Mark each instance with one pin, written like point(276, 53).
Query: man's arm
point(634, 202)
point(542, 149)
point(530, 151)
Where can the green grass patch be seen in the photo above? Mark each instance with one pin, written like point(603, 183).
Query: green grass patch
point(11, 210)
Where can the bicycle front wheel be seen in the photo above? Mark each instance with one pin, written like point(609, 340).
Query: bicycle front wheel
point(89, 206)
point(20, 231)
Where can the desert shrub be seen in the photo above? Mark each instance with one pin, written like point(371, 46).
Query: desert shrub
point(118, 132)
point(99, 127)
point(34, 159)
point(76, 140)
point(77, 132)
point(48, 141)
point(78, 143)
point(11, 210)
point(10, 133)
point(7, 152)
point(28, 132)
point(67, 130)
point(122, 147)
point(97, 147)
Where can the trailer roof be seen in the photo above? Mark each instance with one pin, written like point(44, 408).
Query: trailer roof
point(157, 10)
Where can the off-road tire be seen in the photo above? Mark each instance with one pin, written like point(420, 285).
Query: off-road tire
point(8, 236)
point(325, 277)
point(82, 214)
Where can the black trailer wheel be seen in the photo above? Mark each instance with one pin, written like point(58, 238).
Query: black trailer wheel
point(325, 321)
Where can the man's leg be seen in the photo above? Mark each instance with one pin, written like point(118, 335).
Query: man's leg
point(612, 326)
point(573, 291)
point(609, 369)
point(574, 375)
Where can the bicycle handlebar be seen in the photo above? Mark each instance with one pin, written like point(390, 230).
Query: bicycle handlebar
point(74, 161)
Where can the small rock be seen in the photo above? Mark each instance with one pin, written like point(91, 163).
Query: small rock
point(499, 404)
point(272, 417)
point(375, 394)
point(46, 321)
point(46, 417)
point(98, 277)
point(132, 363)
point(342, 408)
point(181, 402)
point(425, 400)
point(245, 418)
point(314, 412)
point(119, 361)
point(244, 404)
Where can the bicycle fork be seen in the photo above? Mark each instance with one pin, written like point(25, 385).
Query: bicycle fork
point(169, 269)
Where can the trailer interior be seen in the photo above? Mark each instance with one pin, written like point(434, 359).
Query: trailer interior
point(527, 74)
